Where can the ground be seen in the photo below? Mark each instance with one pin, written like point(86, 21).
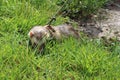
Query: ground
point(107, 25)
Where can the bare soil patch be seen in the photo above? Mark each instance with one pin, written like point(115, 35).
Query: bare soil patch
point(106, 25)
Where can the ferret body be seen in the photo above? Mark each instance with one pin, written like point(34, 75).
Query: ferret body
point(40, 34)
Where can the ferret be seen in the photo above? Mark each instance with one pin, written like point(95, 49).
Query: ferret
point(40, 34)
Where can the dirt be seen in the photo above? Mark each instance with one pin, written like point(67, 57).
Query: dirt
point(106, 25)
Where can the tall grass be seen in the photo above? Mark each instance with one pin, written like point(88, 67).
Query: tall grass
point(69, 59)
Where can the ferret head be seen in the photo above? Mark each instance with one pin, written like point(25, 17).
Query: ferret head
point(38, 36)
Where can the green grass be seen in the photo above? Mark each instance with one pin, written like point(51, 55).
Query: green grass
point(70, 59)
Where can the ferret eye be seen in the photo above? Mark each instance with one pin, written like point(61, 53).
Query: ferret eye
point(38, 37)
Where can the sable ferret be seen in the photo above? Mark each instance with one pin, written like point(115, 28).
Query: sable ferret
point(39, 35)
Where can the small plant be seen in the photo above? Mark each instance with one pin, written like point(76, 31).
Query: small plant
point(81, 8)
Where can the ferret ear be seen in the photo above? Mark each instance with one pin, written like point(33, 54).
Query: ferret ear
point(31, 34)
